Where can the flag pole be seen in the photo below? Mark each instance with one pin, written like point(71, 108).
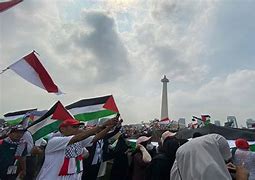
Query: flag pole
point(34, 51)
point(4, 70)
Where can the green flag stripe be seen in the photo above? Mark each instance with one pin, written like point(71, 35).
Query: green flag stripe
point(11, 118)
point(93, 115)
point(15, 121)
point(78, 166)
point(252, 147)
point(46, 130)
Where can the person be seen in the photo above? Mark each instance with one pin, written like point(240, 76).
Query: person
point(96, 156)
point(196, 134)
point(92, 164)
point(120, 159)
point(164, 135)
point(63, 153)
point(203, 158)
point(161, 164)
point(30, 159)
point(13, 151)
point(243, 156)
point(172, 135)
point(140, 159)
point(167, 134)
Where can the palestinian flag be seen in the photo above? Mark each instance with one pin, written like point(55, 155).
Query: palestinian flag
point(206, 119)
point(34, 115)
point(14, 118)
point(93, 108)
point(252, 147)
point(165, 121)
point(49, 122)
point(196, 122)
point(31, 116)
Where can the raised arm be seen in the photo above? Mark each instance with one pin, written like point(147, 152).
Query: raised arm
point(83, 134)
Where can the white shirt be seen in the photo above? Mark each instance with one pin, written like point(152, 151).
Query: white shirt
point(27, 137)
point(54, 158)
point(98, 152)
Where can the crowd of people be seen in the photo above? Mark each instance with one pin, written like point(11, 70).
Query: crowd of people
point(102, 152)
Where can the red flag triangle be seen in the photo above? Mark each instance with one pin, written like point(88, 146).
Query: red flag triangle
point(8, 4)
point(110, 105)
point(61, 113)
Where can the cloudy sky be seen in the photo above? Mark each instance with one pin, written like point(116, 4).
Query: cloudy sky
point(124, 47)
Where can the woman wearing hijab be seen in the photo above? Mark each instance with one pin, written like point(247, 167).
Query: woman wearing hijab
point(120, 160)
point(243, 156)
point(140, 159)
point(161, 164)
point(202, 158)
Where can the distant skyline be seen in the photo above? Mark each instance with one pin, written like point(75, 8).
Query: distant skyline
point(124, 47)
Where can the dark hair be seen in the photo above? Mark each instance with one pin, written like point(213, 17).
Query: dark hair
point(170, 146)
point(196, 134)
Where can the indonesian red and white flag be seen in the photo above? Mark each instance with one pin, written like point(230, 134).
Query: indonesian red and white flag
point(8, 4)
point(165, 121)
point(31, 69)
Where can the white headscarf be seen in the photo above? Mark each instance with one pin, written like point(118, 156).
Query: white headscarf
point(202, 158)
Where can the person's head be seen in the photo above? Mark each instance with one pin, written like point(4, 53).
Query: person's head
point(16, 133)
point(167, 134)
point(211, 151)
point(223, 146)
point(70, 127)
point(143, 140)
point(170, 146)
point(242, 144)
point(197, 134)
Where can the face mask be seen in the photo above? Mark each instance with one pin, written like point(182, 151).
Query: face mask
point(149, 146)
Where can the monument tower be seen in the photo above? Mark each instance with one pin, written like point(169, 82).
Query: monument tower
point(164, 104)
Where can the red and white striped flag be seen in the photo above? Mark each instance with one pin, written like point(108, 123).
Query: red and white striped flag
point(31, 69)
point(165, 121)
point(8, 4)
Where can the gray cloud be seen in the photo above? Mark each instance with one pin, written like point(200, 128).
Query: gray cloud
point(170, 38)
point(110, 57)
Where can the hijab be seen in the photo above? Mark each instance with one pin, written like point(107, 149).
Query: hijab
point(202, 158)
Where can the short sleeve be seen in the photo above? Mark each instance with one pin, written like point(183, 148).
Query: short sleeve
point(87, 142)
point(57, 144)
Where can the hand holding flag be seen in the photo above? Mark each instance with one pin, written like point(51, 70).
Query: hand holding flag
point(112, 122)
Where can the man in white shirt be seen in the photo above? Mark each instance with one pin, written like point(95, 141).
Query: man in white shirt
point(63, 153)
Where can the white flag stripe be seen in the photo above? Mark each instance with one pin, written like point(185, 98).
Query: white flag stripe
point(9, 118)
point(41, 124)
point(86, 109)
point(27, 72)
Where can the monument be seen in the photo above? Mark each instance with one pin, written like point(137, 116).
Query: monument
point(164, 103)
